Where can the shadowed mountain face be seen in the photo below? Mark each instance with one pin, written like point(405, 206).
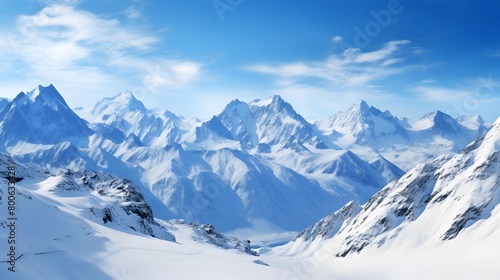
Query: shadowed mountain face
point(40, 117)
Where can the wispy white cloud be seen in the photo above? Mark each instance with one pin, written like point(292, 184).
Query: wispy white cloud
point(383, 54)
point(161, 72)
point(352, 68)
point(337, 39)
point(440, 94)
point(467, 97)
point(132, 12)
point(66, 34)
point(342, 79)
point(66, 45)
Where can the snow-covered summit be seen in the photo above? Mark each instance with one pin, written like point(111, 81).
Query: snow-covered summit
point(272, 121)
point(443, 125)
point(475, 122)
point(125, 112)
point(46, 95)
point(44, 117)
point(364, 125)
point(438, 121)
point(120, 104)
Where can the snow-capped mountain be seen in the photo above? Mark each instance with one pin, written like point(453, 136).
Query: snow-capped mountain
point(255, 163)
point(101, 194)
point(399, 140)
point(364, 125)
point(271, 122)
point(439, 124)
point(119, 105)
point(249, 188)
point(474, 122)
point(129, 115)
point(449, 198)
point(329, 226)
point(40, 117)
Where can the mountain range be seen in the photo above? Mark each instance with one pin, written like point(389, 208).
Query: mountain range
point(254, 165)
point(119, 191)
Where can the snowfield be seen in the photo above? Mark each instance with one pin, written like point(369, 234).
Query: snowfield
point(57, 242)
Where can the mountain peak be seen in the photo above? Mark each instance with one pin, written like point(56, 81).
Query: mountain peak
point(234, 103)
point(475, 122)
point(277, 99)
point(121, 103)
point(45, 118)
point(434, 115)
point(436, 119)
point(360, 107)
point(126, 95)
point(362, 104)
point(43, 95)
point(41, 89)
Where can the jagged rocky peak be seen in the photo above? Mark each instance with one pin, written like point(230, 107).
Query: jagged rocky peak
point(44, 96)
point(274, 103)
point(361, 105)
point(45, 118)
point(123, 203)
point(270, 121)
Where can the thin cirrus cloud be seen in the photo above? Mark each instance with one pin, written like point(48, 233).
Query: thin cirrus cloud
point(440, 94)
point(132, 12)
point(351, 68)
point(78, 45)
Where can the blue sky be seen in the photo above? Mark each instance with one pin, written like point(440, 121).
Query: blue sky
point(194, 56)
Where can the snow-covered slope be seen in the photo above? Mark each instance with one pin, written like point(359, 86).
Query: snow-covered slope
point(87, 225)
point(433, 203)
point(255, 167)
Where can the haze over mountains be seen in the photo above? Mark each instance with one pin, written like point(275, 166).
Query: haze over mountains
point(116, 177)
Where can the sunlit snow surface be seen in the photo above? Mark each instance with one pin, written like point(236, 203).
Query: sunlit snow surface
point(56, 242)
